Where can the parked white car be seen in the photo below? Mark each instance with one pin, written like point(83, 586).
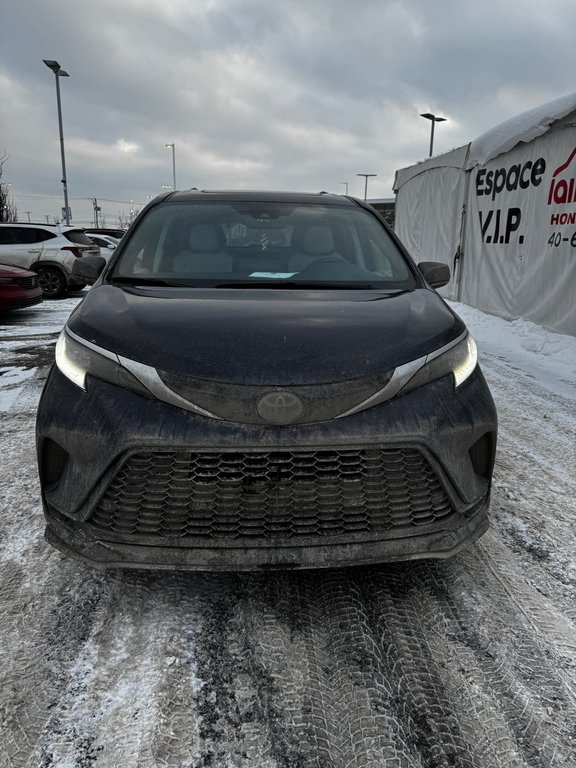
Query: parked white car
point(48, 250)
point(106, 243)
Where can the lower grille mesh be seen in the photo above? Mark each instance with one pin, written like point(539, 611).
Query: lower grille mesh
point(270, 495)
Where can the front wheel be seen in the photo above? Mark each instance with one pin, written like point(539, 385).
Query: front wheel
point(52, 282)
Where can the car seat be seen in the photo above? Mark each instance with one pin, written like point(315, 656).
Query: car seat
point(206, 251)
point(311, 243)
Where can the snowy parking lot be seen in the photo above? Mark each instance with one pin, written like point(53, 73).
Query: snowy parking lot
point(469, 662)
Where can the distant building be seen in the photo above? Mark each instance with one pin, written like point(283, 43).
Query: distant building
point(385, 207)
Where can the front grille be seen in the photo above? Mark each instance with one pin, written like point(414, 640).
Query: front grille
point(27, 282)
point(270, 495)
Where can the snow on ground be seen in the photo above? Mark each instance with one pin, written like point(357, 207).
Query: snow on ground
point(468, 663)
point(547, 356)
point(32, 329)
point(11, 381)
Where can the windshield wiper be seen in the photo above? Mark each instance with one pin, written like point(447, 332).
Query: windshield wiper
point(291, 284)
point(143, 280)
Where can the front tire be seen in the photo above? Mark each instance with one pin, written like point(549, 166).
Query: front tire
point(52, 282)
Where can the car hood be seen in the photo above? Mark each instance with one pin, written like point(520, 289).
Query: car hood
point(7, 271)
point(264, 336)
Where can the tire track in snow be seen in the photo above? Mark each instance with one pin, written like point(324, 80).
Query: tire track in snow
point(471, 662)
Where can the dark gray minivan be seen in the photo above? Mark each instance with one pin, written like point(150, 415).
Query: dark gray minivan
point(263, 380)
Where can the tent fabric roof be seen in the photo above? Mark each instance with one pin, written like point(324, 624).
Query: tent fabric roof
point(503, 137)
point(523, 127)
point(456, 158)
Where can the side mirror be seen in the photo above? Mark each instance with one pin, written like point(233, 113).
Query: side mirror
point(435, 273)
point(88, 268)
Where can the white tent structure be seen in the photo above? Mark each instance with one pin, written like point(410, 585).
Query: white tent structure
point(501, 211)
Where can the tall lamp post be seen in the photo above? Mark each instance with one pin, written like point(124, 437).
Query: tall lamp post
point(366, 177)
point(433, 119)
point(58, 73)
point(173, 146)
point(346, 185)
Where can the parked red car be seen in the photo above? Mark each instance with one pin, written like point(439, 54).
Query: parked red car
point(18, 288)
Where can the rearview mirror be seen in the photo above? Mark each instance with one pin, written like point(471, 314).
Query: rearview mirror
point(435, 273)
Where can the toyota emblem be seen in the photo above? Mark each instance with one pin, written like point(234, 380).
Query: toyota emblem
point(280, 407)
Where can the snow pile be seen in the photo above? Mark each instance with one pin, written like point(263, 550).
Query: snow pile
point(547, 356)
point(525, 127)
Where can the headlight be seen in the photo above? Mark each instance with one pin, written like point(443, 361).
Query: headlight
point(459, 359)
point(78, 359)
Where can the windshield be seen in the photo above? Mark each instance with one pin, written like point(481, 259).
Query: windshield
point(251, 244)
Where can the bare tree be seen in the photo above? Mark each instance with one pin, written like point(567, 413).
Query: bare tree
point(8, 208)
point(124, 220)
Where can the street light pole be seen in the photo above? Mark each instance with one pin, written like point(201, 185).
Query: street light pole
point(97, 208)
point(433, 119)
point(173, 163)
point(346, 185)
point(366, 177)
point(58, 73)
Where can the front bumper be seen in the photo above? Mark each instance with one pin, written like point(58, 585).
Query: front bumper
point(96, 433)
point(14, 297)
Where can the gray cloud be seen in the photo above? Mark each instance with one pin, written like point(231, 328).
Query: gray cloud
point(254, 94)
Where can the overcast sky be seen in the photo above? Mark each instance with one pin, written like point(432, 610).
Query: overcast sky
point(264, 94)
